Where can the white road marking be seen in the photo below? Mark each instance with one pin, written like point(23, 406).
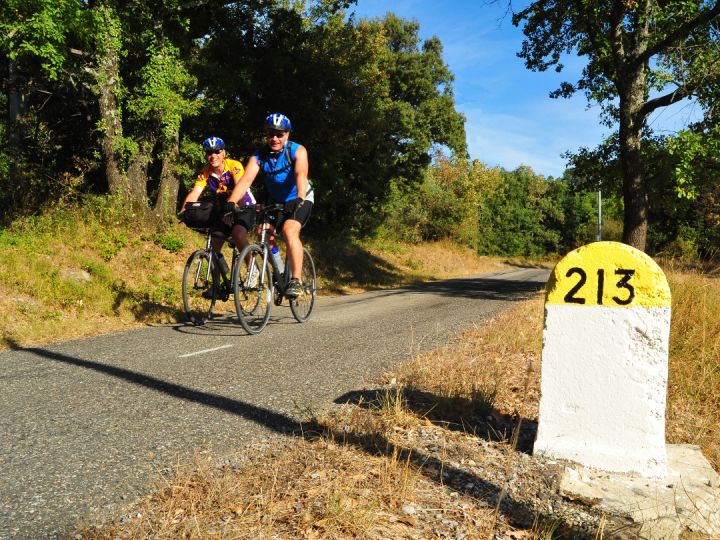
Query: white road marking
point(205, 351)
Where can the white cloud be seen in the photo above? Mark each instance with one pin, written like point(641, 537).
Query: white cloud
point(535, 133)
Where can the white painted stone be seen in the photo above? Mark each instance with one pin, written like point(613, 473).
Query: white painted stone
point(605, 361)
point(604, 380)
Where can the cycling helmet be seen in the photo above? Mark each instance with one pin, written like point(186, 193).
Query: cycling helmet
point(278, 121)
point(213, 143)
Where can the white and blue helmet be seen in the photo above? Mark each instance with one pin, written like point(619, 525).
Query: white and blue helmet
point(213, 143)
point(278, 121)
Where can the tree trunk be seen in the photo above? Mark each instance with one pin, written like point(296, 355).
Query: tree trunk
point(107, 87)
point(136, 179)
point(634, 189)
point(166, 202)
point(15, 108)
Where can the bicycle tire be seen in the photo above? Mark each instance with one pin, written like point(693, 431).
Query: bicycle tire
point(197, 281)
point(302, 306)
point(253, 298)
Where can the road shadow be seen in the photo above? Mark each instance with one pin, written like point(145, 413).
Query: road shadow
point(482, 288)
point(228, 326)
point(476, 417)
point(346, 263)
point(519, 514)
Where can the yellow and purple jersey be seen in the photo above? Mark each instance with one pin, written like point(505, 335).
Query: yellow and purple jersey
point(223, 185)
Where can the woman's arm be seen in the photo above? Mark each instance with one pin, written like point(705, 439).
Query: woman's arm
point(194, 195)
point(245, 181)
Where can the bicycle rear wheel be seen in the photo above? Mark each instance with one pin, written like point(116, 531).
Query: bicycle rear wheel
point(198, 288)
point(252, 290)
point(302, 306)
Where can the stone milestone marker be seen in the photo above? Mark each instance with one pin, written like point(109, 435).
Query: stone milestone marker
point(605, 361)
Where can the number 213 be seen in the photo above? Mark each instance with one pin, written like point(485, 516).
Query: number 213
point(623, 283)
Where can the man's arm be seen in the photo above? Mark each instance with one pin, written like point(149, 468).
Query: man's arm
point(301, 172)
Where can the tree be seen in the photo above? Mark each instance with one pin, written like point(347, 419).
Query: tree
point(635, 50)
point(689, 220)
point(514, 216)
point(369, 100)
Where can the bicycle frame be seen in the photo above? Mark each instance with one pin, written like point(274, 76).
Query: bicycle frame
point(265, 246)
point(227, 282)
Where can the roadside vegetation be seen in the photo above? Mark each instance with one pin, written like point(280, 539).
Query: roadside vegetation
point(97, 267)
point(439, 449)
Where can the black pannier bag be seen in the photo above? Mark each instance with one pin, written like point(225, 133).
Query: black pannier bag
point(199, 215)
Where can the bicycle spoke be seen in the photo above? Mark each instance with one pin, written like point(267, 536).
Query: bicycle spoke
point(302, 306)
point(198, 288)
point(253, 292)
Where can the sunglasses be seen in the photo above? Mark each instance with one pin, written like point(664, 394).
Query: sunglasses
point(211, 152)
point(278, 134)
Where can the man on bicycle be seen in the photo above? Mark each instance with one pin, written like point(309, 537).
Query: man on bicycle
point(284, 167)
point(219, 178)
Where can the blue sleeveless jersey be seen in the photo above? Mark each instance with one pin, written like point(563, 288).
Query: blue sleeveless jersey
point(279, 173)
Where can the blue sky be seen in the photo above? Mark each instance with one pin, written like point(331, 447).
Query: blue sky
point(511, 121)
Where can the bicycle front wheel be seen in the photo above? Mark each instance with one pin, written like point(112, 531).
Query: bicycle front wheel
point(198, 288)
point(302, 306)
point(252, 290)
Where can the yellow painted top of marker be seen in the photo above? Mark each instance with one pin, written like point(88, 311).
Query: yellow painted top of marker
point(608, 274)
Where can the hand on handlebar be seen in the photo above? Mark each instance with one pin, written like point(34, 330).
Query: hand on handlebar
point(293, 206)
point(228, 210)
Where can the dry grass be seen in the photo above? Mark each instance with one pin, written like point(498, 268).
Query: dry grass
point(310, 489)
point(437, 260)
point(74, 282)
point(495, 366)
point(694, 382)
point(379, 467)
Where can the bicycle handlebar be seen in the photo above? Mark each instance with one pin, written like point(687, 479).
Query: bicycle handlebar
point(263, 210)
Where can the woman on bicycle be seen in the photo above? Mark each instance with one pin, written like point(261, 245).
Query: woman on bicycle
point(284, 167)
point(218, 179)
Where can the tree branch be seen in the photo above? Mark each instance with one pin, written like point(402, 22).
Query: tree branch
point(616, 36)
point(663, 101)
point(678, 33)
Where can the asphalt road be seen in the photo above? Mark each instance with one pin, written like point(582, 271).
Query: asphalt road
point(86, 424)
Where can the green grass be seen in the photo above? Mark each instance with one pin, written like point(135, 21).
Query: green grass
point(98, 267)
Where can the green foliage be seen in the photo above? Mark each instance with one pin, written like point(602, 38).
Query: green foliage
point(444, 205)
point(163, 93)
point(601, 31)
point(37, 31)
point(513, 217)
point(169, 241)
point(372, 86)
point(634, 50)
point(698, 153)
point(99, 270)
point(683, 213)
point(496, 212)
point(109, 244)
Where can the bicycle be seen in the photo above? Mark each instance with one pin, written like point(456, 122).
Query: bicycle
point(206, 286)
point(258, 282)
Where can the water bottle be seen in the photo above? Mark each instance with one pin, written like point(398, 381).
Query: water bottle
point(276, 261)
point(222, 263)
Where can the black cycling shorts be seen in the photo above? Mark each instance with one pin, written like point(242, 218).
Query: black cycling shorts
point(302, 215)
